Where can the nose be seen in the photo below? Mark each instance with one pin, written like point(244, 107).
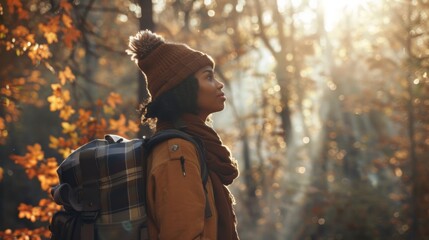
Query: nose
point(220, 84)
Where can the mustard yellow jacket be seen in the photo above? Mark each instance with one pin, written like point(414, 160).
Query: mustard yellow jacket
point(176, 198)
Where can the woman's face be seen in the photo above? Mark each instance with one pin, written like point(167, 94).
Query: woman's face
point(210, 95)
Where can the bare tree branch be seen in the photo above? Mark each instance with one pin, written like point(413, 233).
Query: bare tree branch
point(100, 9)
point(262, 29)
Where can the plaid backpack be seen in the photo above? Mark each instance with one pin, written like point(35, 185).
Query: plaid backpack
point(102, 188)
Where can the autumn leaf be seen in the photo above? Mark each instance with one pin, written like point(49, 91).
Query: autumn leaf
point(71, 35)
point(51, 37)
point(31, 158)
point(74, 139)
point(6, 91)
point(56, 88)
point(31, 172)
point(66, 112)
point(99, 103)
point(59, 98)
point(95, 129)
point(54, 142)
point(23, 14)
point(121, 126)
point(56, 103)
point(47, 174)
point(3, 133)
point(3, 31)
point(26, 212)
point(108, 110)
point(57, 143)
point(35, 151)
point(2, 124)
point(66, 6)
point(52, 26)
point(65, 152)
point(21, 160)
point(113, 99)
point(24, 233)
point(12, 4)
point(42, 212)
point(84, 118)
point(50, 29)
point(35, 77)
point(12, 111)
point(68, 128)
point(20, 31)
point(133, 126)
point(9, 46)
point(68, 22)
point(38, 53)
point(66, 75)
point(1, 174)
point(43, 51)
point(16, 6)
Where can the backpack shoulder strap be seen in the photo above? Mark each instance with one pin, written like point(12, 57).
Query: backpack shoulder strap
point(90, 176)
point(174, 133)
point(90, 193)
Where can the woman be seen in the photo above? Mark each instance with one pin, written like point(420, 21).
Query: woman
point(184, 93)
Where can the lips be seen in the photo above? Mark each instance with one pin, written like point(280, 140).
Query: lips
point(222, 96)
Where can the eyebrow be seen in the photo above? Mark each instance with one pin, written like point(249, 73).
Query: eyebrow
point(208, 71)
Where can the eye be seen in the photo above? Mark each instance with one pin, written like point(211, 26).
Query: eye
point(210, 77)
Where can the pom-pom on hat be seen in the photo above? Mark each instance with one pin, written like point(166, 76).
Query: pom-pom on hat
point(165, 64)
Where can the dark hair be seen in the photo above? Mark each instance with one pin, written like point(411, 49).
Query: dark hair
point(172, 104)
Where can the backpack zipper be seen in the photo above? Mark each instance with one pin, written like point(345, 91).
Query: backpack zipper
point(182, 162)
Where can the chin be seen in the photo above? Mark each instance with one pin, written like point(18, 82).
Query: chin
point(220, 109)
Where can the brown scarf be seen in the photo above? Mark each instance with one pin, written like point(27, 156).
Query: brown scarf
point(222, 170)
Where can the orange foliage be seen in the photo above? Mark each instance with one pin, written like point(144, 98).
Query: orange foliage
point(66, 112)
point(68, 22)
point(89, 126)
point(3, 31)
point(11, 109)
point(38, 53)
point(25, 89)
point(35, 164)
point(66, 6)
point(42, 212)
point(114, 99)
point(34, 44)
point(121, 127)
point(16, 6)
point(71, 36)
point(49, 176)
point(59, 98)
point(31, 158)
point(66, 75)
point(3, 132)
point(25, 234)
point(50, 29)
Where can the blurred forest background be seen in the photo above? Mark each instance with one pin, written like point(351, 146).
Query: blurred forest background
point(327, 112)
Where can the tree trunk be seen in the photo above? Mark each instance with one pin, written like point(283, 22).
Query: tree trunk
point(414, 198)
point(146, 22)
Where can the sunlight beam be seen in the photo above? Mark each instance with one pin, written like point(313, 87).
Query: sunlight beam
point(336, 9)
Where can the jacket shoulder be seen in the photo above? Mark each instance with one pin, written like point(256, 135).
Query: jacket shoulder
point(173, 149)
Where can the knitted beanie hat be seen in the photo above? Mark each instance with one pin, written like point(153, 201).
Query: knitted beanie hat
point(165, 64)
